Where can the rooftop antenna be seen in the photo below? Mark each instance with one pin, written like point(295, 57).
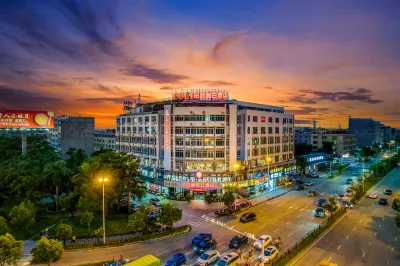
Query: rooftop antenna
point(314, 124)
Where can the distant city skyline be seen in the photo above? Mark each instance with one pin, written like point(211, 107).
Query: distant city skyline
point(321, 60)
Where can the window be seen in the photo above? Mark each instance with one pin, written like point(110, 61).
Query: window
point(255, 119)
point(270, 131)
point(123, 120)
point(263, 119)
point(276, 158)
point(255, 130)
point(290, 130)
point(146, 119)
point(256, 141)
point(263, 151)
point(277, 130)
point(255, 152)
point(220, 130)
point(140, 129)
point(179, 153)
point(128, 119)
point(140, 120)
point(248, 118)
point(263, 130)
point(269, 119)
point(178, 130)
point(179, 118)
point(290, 121)
point(271, 140)
point(239, 119)
point(147, 130)
point(248, 130)
point(277, 139)
point(277, 120)
point(277, 149)
point(153, 119)
point(219, 142)
point(284, 120)
point(179, 142)
point(219, 154)
point(263, 140)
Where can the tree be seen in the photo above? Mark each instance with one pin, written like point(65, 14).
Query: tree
point(75, 159)
point(64, 232)
point(302, 149)
point(228, 198)
point(10, 250)
point(301, 163)
point(57, 175)
point(169, 214)
point(131, 179)
point(3, 226)
point(87, 219)
point(327, 147)
point(331, 205)
point(23, 214)
point(69, 202)
point(99, 232)
point(139, 220)
point(396, 202)
point(47, 251)
point(367, 152)
point(340, 168)
point(397, 220)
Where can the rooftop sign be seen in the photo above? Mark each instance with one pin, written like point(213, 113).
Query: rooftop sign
point(200, 95)
point(26, 119)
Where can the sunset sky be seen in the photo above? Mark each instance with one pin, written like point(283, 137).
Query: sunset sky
point(319, 59)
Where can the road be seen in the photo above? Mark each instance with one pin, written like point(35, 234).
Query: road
point(289, 216)
point(367, 235)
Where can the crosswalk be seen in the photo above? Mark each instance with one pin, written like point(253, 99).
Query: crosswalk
point(197, 223)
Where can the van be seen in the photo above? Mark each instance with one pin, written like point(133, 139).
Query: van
point(327, 263)
point(229, 259)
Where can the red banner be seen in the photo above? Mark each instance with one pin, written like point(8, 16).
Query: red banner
point(26, 119)
point(203, 185)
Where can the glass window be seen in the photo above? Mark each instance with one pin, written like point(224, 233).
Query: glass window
point(219, 142)
point(219, 154)
point(248, 118)
point(255, 118)
point(146, 119)
point(263, 119)
point(276, 130)
point(269, 119)
point(263, 130)
point(276, 119)
point(248, 130)
point(255, 129)
point(270, 130)
point(220, 130)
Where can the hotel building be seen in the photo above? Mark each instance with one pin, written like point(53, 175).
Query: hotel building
point(200, 141)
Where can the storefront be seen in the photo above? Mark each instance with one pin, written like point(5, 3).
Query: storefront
point(317, 162)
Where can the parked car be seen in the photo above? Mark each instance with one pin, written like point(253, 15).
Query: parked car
point(299, 187)
point(349, 181)
point(270, 253)
point(383, 201)
point(177, 260)
point(373, 195)
point(205, 245)
point(237, 241)
point(207, 258)
point(229, 259)
point(267, 240)
point(313, 175)
point(341, 197)
point(387, 192)
point(156, 202)
point(200, 237)
point(153, 215)
point(321, 202)
point(135, 206)
point(349, 192)
point(346, 204)
point(319, 212)
point(247, 217)
point(312, 193)
point(308, 183)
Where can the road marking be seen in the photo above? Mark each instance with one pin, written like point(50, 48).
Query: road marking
point(360, 221)
point(312, 218)
point(301, 225)
point(222, 248)
point(194, 223)
point(276, 230)
point(383, 218)
point(290, 234)
point(391, 250)
point(254, 259)
point(347, 237)
point(288, 222)
point(363, 255)
point(380, 225)
point(298, 216)
point(221, 242)
point(369, 243)
point(395, 239)
point(354, 229)
point(263, 226)
point(376, 233)
point(329, 259)
point(387, 263)
point(280, 204)
point(339, 247)
point(188, 252)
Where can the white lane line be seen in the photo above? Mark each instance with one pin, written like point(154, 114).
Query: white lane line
point(395, 239)
point(298, 216)
point(254, 259)
point(347, 237)
point(391, 249)
point(263, 226)
point(222, 248)
point(380, 225)
point(387, 263)
point(360, 221)
point(376, 233)
point(301, 225)
point(383, 218)
point(276, 230)
point(280, 204)
point(290, 234)
point(339, 247)
point(288, 222)
point(369, 243)
point(363, 255)
point(329, 259)
point(221, 242)
point(188, 252)
point(354, 229)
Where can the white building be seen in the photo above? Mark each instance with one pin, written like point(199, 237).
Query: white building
point(202, 141)
point(72, 132)
point(303, 135)
point(104, 139)
point(343, 142)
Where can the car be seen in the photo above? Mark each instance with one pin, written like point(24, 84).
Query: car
point(205, 245)
point(229, 259)
point(312, 193)
point(153, 215)
point(373, 195)
point(207, 258)
point(299, 187)
point(135, 206)
point(319, 212)
point(177, 260)
point(341, 197)
point(299, 182)
point(313, 175)
point(387, 192)
point(247, 217)
point(349, 192)
point(349, 181)
point(321, 202)
point(267, 240)
point(308, 183)
point(238, 240)
point(346, 204)
point(200, 237)
point(383, 201)
point(270, 253)
point(156, 202)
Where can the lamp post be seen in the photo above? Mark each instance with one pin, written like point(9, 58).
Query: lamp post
point(269, 159)
point(103, 180)
point(236, 166)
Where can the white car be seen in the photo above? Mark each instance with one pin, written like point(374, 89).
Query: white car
point(208, 258)
point(266, 238)
point(373, 195)
point(270, 253)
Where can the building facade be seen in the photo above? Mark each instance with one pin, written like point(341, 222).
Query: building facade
point(104, 139)
point(367, 131)
point(303, 135)
point(343, 142)
point(200, 143)
point(72, 132)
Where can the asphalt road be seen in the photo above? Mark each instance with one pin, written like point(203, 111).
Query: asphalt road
point(367, 235)
point(289, 216)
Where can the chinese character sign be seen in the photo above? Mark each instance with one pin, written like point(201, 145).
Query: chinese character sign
point(204, 95)
point(26, 119)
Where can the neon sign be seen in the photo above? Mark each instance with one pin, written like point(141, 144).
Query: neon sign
point(166, 129)
point(191, 185)
point(200, 95)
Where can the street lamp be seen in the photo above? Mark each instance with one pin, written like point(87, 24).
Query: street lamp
point(103, 180)
point(269, 159)
point(236, 166)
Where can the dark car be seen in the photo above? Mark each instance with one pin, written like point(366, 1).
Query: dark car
point(205, 245)
point(383, 201)
point(247, 217)
point(312, 193)
point(387, 192)
point(177, 260)
point(200, 237)
point(299, 187)
point(321, 202)
point(313, 175)
point(237, 241)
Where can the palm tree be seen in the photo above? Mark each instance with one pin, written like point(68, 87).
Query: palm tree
point(57, 175)
point(131, 179)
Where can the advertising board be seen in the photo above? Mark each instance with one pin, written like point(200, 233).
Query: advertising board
point(26, 119)
point(200, 95)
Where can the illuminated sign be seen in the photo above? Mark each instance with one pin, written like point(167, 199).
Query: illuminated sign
point(172, 184)
point(200, 95)
point(26, 119)
point(166, 129)
point(204, 185)
point(199, 174)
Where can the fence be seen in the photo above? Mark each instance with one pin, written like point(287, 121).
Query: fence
point(95, 240)
point(293, 251)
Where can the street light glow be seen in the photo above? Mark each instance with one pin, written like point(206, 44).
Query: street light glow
point(101, 180)
point(269, 159)
point(236, 165)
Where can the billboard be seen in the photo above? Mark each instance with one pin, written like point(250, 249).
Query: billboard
point(200, 95)
point(26, 119)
